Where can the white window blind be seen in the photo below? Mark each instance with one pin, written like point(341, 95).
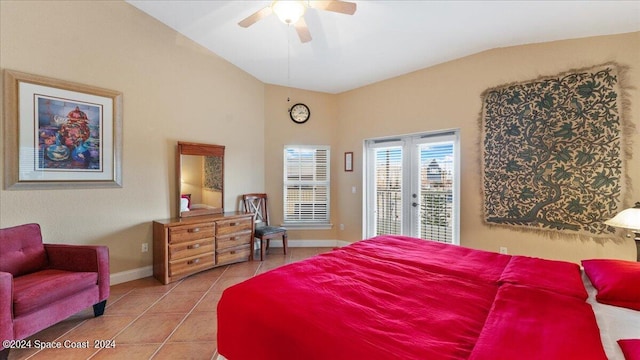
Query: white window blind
point(306, 185)
point(388, 184)
point(436, 191)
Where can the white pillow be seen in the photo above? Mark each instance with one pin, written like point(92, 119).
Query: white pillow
point(184, 204)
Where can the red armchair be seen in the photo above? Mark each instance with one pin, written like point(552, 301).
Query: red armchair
point(42, 284)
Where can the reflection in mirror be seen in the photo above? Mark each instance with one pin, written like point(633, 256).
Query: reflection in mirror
point(200, 178)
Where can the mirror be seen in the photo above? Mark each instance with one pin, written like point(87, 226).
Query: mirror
point(200, 169)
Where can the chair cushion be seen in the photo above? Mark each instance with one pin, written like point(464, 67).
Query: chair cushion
point(266, 230)
point(21, 249)
point(39, 289)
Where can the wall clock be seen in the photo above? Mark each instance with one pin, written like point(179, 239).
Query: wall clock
point(299, 113)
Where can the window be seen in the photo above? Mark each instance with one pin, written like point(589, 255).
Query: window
point(306, 185)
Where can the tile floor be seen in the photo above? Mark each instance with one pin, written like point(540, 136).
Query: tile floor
point(148, 320)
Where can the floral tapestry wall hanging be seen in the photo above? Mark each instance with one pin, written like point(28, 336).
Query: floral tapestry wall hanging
point(554, 152)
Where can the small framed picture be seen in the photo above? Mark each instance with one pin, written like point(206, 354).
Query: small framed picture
point(348, 161)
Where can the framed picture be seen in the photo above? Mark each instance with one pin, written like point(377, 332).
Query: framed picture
point(60, 134)
point(348, 161)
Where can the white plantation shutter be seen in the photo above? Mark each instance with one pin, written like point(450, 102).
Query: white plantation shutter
point(306, 184)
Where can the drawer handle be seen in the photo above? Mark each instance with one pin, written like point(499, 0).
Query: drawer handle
point(194, 230)
point(232, 252)
point(195, 261)
point(194, 246)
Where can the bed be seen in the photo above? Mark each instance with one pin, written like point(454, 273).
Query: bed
point(395, 297)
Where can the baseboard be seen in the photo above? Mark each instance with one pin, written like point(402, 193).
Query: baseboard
point(147, 271)
point(131, 275)
point(309, 243)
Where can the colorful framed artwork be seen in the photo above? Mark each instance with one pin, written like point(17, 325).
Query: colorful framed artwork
point(348, 161)
point(60, 134)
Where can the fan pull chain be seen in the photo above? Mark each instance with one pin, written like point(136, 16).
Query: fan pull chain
point(289, 64)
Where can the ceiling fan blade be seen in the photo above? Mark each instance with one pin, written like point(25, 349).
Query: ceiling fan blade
point(303, 30)
point(255, 17)
point(343, 7)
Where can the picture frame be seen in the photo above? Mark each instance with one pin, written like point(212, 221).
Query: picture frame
point(348, 161)
point(60, 134)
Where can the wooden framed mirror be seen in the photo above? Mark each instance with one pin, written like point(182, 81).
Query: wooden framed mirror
point(200, 171)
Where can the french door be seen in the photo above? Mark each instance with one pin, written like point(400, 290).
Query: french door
point(412, 186)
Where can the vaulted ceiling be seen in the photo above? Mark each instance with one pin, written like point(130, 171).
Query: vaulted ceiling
point(383, 39)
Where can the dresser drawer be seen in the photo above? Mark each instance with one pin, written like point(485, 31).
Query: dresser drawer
point(191, 264)
point(192, 232)
point(225, 227)
point(190, 248)
point(233, 240)
point(187, 246)
point(231, 255)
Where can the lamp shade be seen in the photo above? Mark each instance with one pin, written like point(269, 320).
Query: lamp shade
point(627, 219)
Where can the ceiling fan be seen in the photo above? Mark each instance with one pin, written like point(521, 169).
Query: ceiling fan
point(292, 13)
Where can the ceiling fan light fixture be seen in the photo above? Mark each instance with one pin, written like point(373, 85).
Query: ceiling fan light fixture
point(289, 12)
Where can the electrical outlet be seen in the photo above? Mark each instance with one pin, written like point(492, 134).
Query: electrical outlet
point(145, 247)
point(503, 250)
point(341, 226)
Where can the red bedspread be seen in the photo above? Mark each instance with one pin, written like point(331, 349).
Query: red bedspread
point(394, 297)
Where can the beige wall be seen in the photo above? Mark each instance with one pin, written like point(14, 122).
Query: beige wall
point(172, 90)
point(175, 90)
point(448, 96)
point(442, 97)
point(320, 129)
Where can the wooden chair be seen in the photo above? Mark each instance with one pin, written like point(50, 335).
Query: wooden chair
point(257, 204)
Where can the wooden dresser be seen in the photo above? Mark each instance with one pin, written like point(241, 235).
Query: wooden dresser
point(185, 246)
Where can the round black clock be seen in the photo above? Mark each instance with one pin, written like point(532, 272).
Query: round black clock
point(299, 113)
